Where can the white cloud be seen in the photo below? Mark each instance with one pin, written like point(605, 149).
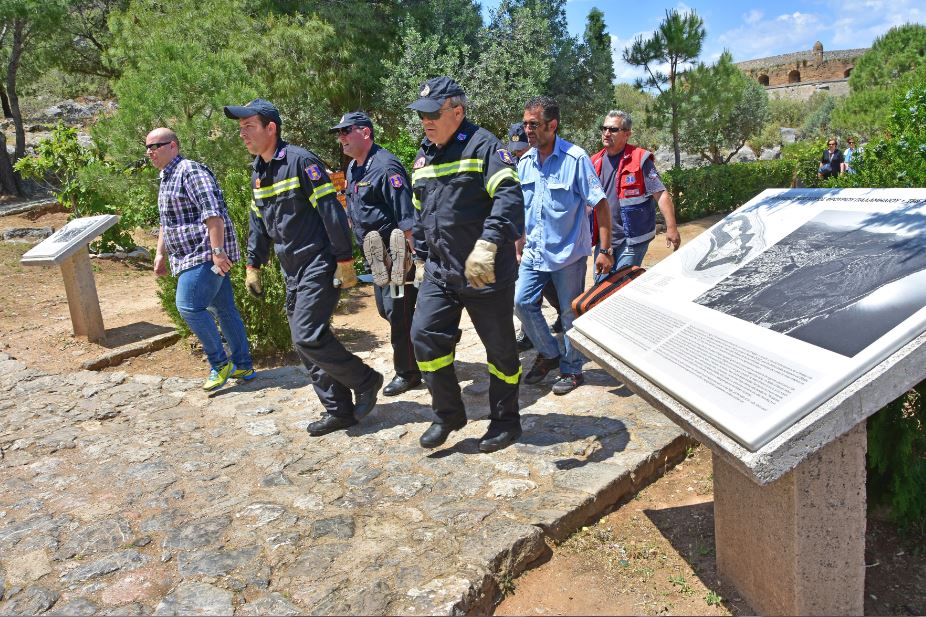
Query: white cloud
point(771, 36)
point(753, 16)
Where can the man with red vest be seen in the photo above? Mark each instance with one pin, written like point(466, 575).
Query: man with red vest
point(634, 189)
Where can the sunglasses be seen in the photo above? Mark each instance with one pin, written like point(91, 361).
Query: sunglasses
point(612, 129)
point(432, 115)
point(155, 146)
point(345, 131)
point(533, 125)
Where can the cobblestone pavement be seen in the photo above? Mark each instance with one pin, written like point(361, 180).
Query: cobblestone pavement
point(139, 495)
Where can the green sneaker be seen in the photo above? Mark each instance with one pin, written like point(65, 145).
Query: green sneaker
point(217, 378)
point(247, 374)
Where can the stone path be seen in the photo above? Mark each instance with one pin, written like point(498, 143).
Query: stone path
point(140, 495)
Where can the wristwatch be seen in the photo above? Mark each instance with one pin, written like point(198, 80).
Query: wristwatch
point(218, 250)
point(608, 251)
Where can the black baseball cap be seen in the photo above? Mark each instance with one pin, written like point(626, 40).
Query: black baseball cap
point(434, 92)
point(352, 118)
point(255, 107)
point(517, 138)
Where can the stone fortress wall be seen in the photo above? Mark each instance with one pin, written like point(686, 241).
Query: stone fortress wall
point(800, 74)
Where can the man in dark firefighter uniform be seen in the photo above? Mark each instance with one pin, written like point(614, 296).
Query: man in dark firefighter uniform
point(379, 203)
point(295, 207)
point(470, 213)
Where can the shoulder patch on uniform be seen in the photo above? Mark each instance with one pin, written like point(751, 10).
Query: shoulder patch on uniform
point(653, 174)
point(462, 136)
point(630, 179)
point(506, 157)
point(419, 163)
point(313, 172)
point(396, 181)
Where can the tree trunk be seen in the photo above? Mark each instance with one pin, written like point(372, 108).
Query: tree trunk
point(5, 101)
point(12, 69)
point(9, 182)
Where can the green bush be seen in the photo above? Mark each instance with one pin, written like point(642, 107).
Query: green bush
point(723, 188)
point(804, 157)
point(265, 317)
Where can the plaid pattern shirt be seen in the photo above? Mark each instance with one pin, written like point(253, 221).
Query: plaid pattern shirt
point(188, 195)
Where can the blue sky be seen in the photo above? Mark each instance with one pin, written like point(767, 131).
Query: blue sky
point(751, 29)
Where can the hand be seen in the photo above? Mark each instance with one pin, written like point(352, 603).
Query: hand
point(345, 277)
point(603, 263)
point(419, 272)
point(160, 265)
point(673, 238)
point(252, 282)
point(480, 265)
point(223, 263)
point(519, 248)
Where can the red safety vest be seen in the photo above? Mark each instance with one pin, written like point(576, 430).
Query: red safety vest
point(638, 216)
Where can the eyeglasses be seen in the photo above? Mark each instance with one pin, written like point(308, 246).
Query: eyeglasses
point(432, 115)
point(851, 143)
point(612, 129)
point(533, 125)
point(155, 146)
point(346, 130)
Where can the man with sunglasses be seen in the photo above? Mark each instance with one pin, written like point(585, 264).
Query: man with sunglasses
point(560, 187)
point(470, 213)
point(379, 203)
point(198, 240)
point(634, 191)
point(295, 209)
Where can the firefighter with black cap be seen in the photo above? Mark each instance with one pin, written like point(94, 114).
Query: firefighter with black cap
point(379, 203)
point(296, 209)
point(470, 213)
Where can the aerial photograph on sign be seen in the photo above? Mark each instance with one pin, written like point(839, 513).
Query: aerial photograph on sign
point(838, 281)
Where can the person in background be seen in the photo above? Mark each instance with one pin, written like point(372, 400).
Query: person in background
point(831, 161)
point(847, 157)
point(197, 239)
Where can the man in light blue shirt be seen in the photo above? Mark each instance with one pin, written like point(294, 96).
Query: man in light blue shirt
point(560, 190)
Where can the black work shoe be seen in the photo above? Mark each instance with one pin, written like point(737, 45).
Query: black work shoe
point(498, 439)
point(541, 367)
point(557, 326)
point(365, 400)
point(400, 384)
point(437, 434)
point(524, 342)
point(330, 424)
point(567, 383)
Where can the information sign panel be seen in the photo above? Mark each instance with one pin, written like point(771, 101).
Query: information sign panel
point(67, 240)
point(777, 307)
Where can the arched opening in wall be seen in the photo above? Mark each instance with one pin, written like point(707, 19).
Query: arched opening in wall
point(847, 72)
point(763, 79)
point(794, 77)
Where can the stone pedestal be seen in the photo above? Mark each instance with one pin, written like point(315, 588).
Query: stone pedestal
point(83, 302)
point(796, 546)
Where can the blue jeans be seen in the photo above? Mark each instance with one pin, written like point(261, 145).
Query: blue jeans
point(625, 255)
point(202, 293)
point(569, 282)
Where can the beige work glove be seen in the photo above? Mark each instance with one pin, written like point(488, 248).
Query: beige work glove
point(419, 272)
point(345, 277)
point(252, 282)
point(480, 265)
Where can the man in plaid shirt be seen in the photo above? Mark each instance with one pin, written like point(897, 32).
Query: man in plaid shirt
point(198, 238)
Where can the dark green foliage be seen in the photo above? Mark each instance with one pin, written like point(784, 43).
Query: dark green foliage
point(897, 458)
point(723, 188)
point(804, 157)
point(264, 318)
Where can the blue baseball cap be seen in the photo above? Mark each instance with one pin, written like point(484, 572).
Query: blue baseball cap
point(254, 108)
point(434, 92)
point(517, 138)
point(353, 118)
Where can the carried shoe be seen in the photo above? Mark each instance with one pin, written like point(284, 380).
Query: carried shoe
point(375, 254)
point(330, 424)
point(218, 377)
point(365, 400)
point(437, 434)
point(400, 384)
point(541, 367)
point(567, 383)
point(401, 258)
point(557, 326)
point(498, 439)
point(524, 342)
point(246, 374)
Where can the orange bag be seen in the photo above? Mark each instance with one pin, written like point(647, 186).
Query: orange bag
point(591, 297)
